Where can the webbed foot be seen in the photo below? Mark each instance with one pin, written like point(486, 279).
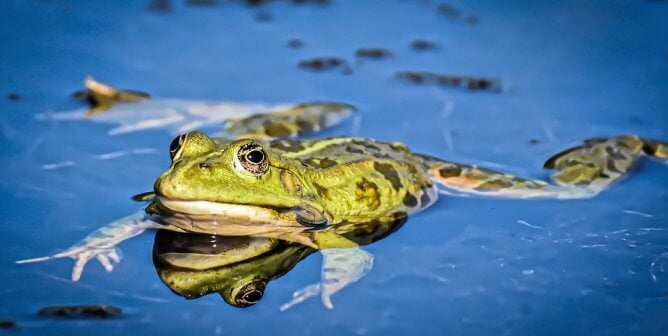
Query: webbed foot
point(81, 255)
point(340, 268)
point(101, 244)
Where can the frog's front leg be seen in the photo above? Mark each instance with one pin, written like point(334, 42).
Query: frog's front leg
point(101, 244)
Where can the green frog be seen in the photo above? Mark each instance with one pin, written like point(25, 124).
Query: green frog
point(266, 180)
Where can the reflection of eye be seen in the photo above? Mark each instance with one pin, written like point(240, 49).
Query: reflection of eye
point(252, 159)
point(250, 294)
point(176, 144)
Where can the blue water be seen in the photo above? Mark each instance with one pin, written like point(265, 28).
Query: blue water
point(571, 69)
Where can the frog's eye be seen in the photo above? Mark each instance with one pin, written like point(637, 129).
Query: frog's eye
point(176, 145)
point(250, 294)
point(253, 159)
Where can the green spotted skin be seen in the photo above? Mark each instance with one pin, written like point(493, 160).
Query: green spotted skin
point(358, 178)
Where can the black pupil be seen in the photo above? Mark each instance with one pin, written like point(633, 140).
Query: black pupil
point(253, 296)
point(255, 156)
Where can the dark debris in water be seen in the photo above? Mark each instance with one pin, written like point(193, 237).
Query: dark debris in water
point(472, 19)
point(449, 11)
point(83, 311)
point(453, 13)
point(423, 45)
point(263, 16)
point(202, 3)
point(13, 96)
point(160, 6)
point(8, 324)
point(322, 64)
point(373, 53)
point(466, 82)
point(295, 43)
point(296, 2)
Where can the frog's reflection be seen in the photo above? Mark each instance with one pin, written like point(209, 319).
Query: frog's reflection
point(240, 268)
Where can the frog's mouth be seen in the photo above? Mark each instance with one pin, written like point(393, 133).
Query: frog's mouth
point(251, 213)
point(230, 219)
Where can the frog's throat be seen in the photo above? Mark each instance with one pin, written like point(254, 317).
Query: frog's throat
point(207, 208)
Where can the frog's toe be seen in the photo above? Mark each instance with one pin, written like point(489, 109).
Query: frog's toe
point(106, 263)
point(81, 260)
point(105, 256)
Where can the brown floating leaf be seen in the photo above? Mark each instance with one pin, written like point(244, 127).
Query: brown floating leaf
point(102, 97)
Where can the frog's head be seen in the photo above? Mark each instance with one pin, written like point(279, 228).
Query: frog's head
point(237, 179)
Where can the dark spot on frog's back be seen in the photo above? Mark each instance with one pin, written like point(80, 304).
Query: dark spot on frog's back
point(327, 163)
point(410, 200)
point(322, 191)
point(389, 173)
point(354, 150)
point(425, 200)
point(368, 145)
point(287, 145)
point(317, 163)
point(451, 171)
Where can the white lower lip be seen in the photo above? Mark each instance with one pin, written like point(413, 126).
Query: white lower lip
point(217, 209)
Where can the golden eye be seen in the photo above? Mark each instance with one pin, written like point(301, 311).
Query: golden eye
point(253, 159)
point(176, 144)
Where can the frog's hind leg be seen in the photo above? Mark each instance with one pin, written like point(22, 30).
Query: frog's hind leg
point(580, 172)
point(600, 162)
point(291, 122)
point(471, 179)
point(101, 244)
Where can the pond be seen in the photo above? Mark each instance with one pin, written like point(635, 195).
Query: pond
point(525, 80)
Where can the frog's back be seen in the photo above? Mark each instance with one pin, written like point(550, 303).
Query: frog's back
point(361, 178)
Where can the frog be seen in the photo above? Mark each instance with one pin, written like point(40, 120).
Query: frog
point(268, 179)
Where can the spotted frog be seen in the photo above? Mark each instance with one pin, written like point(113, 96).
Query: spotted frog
point(266, 180)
